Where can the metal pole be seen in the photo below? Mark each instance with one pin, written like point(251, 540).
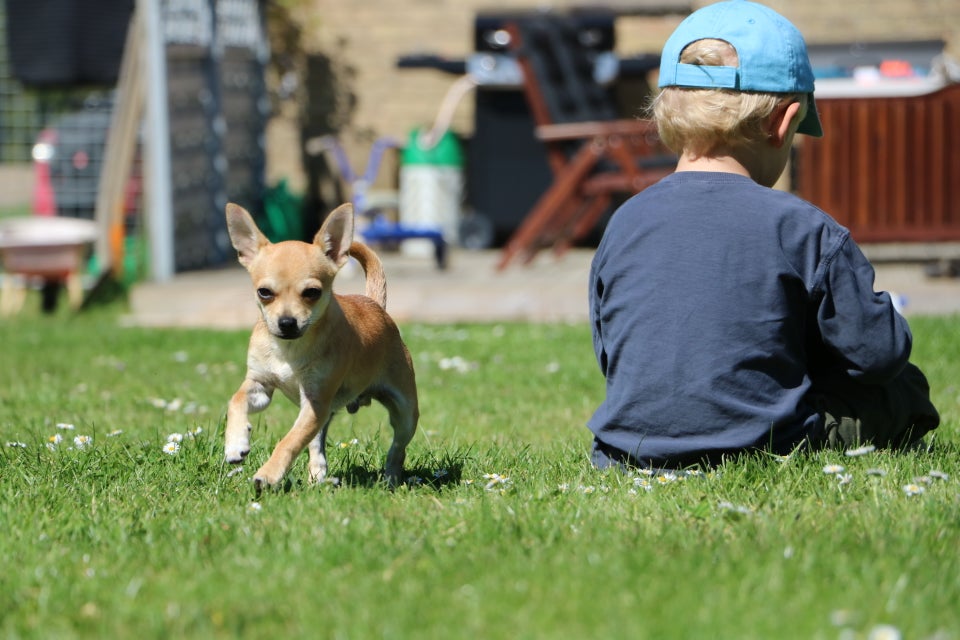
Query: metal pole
point(159, 199)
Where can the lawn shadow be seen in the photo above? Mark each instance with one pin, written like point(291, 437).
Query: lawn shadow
point(357, 475)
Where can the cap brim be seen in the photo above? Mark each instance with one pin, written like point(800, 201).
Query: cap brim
point(810, 125)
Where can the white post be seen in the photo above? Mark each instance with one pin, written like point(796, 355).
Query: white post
point(159, 198)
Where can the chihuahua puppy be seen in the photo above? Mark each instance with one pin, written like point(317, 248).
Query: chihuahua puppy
point(322, 350)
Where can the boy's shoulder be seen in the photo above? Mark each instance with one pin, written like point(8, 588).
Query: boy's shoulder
point(712, 192)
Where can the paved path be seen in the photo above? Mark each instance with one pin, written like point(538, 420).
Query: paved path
point(470, 290)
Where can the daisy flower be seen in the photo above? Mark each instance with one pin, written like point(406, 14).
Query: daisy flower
point(884, 632)
point(81, 442)
point(114, 433)
point(831, 469)
point(938, 475)
point(643, 483)
point(913, 489)
point(175, 437)
point(254, 507)
point(735, 508)
point(860, 451)
point(667, 477)
point(17, 445)
point(66, 426)
point(171, 448)
point(876, 472)
point(844, 478)
point(54, 440)
point(496, 480)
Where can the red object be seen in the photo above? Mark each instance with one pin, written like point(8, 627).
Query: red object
point(44, 201)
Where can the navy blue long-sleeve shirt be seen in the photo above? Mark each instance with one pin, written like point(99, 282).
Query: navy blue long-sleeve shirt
point(715, 301)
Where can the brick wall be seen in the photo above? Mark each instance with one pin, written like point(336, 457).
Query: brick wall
point(369, 35)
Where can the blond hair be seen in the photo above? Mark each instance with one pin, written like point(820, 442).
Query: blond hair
point(699, 121)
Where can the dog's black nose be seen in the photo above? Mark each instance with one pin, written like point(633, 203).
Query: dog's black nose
point(288, 326)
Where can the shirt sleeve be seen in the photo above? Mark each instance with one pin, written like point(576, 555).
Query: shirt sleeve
point(868, 338)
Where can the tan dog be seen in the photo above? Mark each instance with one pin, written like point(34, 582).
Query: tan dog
point(324, 351)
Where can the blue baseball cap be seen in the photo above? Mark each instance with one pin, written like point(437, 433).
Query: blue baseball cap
point(773, 56)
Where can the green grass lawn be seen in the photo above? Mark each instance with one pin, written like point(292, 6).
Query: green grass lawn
point(502, 531)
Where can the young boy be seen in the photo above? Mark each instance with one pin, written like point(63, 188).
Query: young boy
point(728, 316)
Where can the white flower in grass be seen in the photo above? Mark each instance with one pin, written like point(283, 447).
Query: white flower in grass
point(81, 442)
point(563, 487)
point(884, 632)
point(643, 483)
point(552, 367)
point(66, 426)
point(234, 472)
point(157, 403)
point(588, 489)
point(876, 472)
point(175, 437)
point(831, 469)
point(495, 481)
point(922, 480)
point(844, 479)
point(693, 473)
point(645, 472)
point(735, 508)
point(938, 475)
point(458, 364)
point(53, 441)
point(17, 445)
point(254, 507)
point(667, 477)
point(860, 451)
point(171, 448)
point(114, 433)
point(347, 445)
point(913, 489)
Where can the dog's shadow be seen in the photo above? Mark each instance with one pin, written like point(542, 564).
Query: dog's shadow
point(433, 476)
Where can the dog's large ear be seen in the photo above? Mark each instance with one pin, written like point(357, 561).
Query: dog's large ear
point(336, 234)
point(244, 234)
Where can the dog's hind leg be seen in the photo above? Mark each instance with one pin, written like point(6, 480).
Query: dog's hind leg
point(317, 467)
point(404, 414)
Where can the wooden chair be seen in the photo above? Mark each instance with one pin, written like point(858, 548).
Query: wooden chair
point(593, 153)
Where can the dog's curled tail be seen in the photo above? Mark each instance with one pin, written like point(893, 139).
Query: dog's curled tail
point(376, 287)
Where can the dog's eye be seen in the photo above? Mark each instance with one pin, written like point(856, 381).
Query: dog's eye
point(265, 294)
point(312, 294)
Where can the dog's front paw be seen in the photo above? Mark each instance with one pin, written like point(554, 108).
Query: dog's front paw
point(235, 455)
point(237, 446)
point(265, 479)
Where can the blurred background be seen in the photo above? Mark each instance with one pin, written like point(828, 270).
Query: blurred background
point(419, 111)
